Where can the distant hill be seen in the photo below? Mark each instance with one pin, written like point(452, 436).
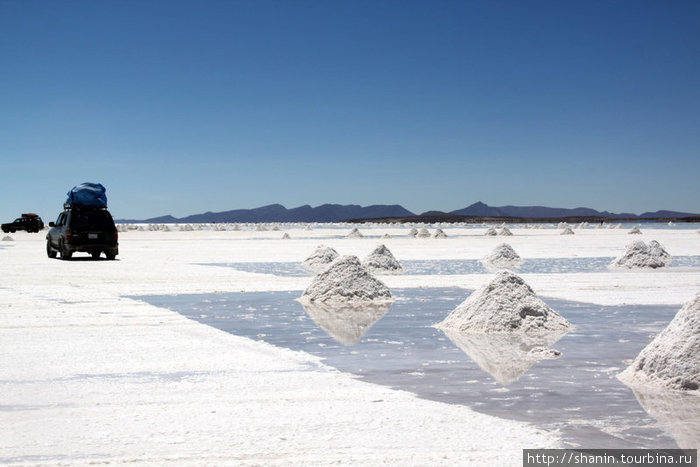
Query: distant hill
point(480, 209)
point(339, 213)
point(278, 213)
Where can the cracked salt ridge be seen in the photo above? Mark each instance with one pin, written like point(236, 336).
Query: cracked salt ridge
point(450, 266)
point(579, 393)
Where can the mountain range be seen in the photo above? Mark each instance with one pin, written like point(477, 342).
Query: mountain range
point(339, 213)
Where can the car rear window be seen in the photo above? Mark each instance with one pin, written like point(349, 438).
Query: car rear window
point(91, 219)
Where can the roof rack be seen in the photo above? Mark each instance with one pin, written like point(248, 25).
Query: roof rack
point(70, 206)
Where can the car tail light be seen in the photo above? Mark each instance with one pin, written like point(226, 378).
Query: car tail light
point(69, 235)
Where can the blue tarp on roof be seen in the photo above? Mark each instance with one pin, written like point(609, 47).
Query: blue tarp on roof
point(88, 194)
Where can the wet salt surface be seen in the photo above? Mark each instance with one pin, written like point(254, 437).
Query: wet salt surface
point(450, 266)
point(577, 394)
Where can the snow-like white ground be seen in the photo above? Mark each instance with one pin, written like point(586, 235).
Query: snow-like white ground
point(89, 376)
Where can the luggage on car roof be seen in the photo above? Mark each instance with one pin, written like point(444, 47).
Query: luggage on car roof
point(88, 195)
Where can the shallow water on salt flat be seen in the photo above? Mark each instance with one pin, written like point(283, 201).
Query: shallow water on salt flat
point(577, 393)
point(466, 266)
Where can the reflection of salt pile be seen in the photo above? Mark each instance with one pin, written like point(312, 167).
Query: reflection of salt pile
point(382, 261)
point(503, 256)
point(505, 232)
point(346, 280)
point(672, 359)
point(320, 258)
point(506, 357)
point(491, 231)
point(639, 255)
point(567, 231)
point(354, 233)
point(346, 324)
point(677, 413)
point(439, 233)
point(505, 305)
point(635, 230)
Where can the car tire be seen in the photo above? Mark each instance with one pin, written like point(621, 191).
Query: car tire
point(66, 254)
point(110, 255)
point(95, 254)
point(50, 252)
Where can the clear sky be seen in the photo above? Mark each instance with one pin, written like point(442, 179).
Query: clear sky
point(181, 107)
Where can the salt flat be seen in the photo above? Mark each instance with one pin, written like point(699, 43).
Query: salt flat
point(91, 376)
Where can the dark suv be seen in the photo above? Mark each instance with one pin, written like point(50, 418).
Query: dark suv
point(29, 222)
point(90, 230)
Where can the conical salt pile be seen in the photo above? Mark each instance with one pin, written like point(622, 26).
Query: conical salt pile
point(672, 359)
point(346, 280)
point(639, 255)
point(502, 257)
point(413, 232)
point(439, 233)
point(382, 261)
point(635, 230)
point(320, 258)
point(286, 236)
point(423, 233)
point(354, 233)
point(7, 238)
point(505, 305)
point(491, 231)
point(657, 251)
point(567, 231)
point(505, 231)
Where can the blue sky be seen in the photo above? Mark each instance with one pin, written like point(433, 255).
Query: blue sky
point(181, 107)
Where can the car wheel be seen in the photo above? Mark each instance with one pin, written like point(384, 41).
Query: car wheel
point(50, 252)
point(66, 254)
point(110, 255)
point(95, 254)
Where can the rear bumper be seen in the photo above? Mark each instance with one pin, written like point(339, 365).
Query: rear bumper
point(90, 247)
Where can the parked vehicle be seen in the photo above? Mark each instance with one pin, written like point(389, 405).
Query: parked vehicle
point(29, 222)
point(85, 229)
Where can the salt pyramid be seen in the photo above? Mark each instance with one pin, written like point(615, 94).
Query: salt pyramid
point(505, 231)
point(635, 230)
point(657, 251)
point(413, 232)
point(439, 233)
point(382, 261)
point(286, 236)
point(672, 359)
point(491, 231)
point(505, 305)
point(7, 238)
point(320, 258)
point(346, 280)
point(355, 233)
point(639, 255)
point(386, 235)
point(567, 231)
point(503, 256)
point(423, 233)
